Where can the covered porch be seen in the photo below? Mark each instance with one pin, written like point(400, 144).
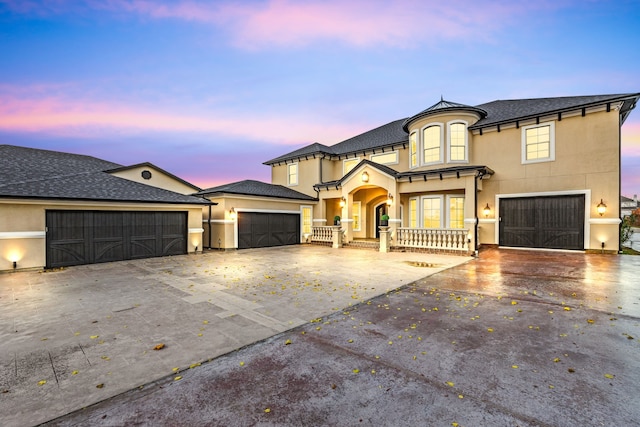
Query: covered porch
point(432, 211)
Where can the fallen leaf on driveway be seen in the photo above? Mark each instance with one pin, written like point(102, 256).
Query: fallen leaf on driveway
point(159, 347)
point(610, 376)
point(43, 382)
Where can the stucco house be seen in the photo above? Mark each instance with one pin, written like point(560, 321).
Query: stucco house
point(59, 209)
point(628, 205)
point(523, 173)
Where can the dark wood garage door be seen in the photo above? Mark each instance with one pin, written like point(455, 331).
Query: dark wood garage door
point(260, 230)
point(88, 237)
point(543, 222)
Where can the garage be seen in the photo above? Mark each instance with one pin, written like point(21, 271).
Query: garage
point(88, 237)
point(260, 230)
point(550, 222)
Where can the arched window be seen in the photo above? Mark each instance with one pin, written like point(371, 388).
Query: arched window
point(432, 144)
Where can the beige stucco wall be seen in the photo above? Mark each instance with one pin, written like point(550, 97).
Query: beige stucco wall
point(19, 217)
point(224, 224)
point(158, 179)
point(308, 175)
point(586, 161)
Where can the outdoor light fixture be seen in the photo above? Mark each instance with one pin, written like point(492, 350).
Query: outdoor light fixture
point(389, 200)
point(365, 176)
point(15, 264)
point(343, 202)
point(602, 208)
point(232, 213)
point(487, 210)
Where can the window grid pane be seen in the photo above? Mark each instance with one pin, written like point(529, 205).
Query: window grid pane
point(431, 213)
point(293, 174)
point(538, 143)
point(349, 164)
point(457, 135)
point(306, 220)
point(431, 143)
point(456, 212)
point(413, 150)
point(413, 213)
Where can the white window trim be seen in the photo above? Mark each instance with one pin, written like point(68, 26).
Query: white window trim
point(371, 157)
point(344, 171)
point(359, 204)
point(552, 143)
point(448, 205)
point(289, 183)
point(421, 209)
point(417, 140)
point(466, 141)
point(421, 145)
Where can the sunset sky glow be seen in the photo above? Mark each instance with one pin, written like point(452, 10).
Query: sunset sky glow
point(209, 90)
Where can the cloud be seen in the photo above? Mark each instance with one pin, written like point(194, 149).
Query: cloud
point(82, 118)
point(291, 23)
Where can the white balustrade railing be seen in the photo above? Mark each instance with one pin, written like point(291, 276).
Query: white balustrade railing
point(322, 234)
point(452, 239)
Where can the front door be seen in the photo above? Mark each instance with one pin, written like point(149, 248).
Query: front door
point(380, 210)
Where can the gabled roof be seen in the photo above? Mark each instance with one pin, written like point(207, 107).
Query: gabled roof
point(490, 114)
point(411, 175)
point(250, 187)
point(31, 173)
point(151, 165)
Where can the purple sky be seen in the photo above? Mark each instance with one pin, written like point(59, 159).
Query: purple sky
point(209, 90)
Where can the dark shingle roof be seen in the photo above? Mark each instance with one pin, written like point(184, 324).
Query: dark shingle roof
point(491, 114)
point(383, 136)
point(250, 187)
point(442, 107)
point(505, 111)
point(43, 174)
point(423, 174)
point(307, 151)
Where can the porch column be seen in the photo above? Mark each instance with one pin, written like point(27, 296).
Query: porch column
point(336, 236)
point(385, 239)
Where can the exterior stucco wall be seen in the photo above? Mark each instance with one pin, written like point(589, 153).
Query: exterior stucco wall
point(224, 224)
point(586, 161)
point(20, 218)
point(308, 175)
point(158, 179)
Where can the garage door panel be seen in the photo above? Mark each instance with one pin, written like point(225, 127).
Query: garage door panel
point(259, 230)
point(86, 237)
point(555, 222)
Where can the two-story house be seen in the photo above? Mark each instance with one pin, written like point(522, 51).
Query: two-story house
point(628, 205)
point(524, 173)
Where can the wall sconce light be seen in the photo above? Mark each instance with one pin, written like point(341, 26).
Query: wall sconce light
point(486, 211)
point(232, 213)
point(15, 264)
point(389, 200)
point(364, 176)
point(343, 202)
point(602, 208)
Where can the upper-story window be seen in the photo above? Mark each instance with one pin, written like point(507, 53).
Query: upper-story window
point(390, 158)
point(432, 144)
point(413, 150)
point(349, 164)
point(458, 142)
point(292, 174)
point(538, 143)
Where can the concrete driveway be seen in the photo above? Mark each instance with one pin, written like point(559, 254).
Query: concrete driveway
point(513, 338)
point(74, 337)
